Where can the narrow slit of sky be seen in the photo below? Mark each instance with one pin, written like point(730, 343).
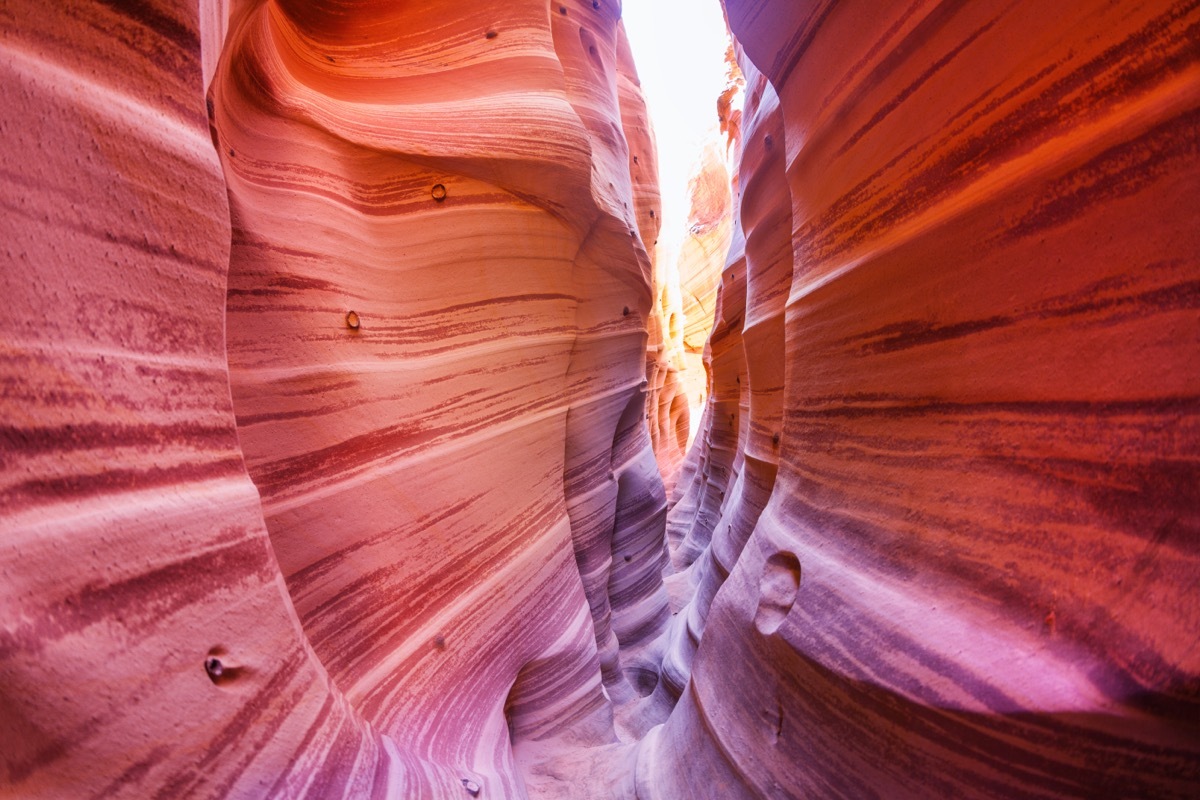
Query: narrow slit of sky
point(679, 48)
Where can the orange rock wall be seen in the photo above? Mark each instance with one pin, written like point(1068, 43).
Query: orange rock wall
point(670, 414)
point(134, 547)
point(701, 257)
point(975, 572)
point(454, 532)
point(319, 480)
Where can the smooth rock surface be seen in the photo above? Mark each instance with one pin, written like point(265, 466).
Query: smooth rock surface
point(339, 376)
point(134, 550)
point(975, 575)
point(415, 259)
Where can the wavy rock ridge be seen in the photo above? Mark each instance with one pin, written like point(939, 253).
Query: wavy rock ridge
point(946, 481)
point(338, 376)
point(418, 268)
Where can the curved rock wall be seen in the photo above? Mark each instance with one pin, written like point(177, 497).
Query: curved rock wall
point(148, 646)
point(436, 341)
point(736, 457)
point(701, 257)
point(939, 533)
point(975, 574)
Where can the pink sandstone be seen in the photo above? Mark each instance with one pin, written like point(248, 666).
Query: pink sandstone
point(974, 574)
point(341, 384)
point(435, 332)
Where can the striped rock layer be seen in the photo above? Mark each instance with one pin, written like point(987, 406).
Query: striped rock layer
point(943, 531)
point(326, 469)
point(332, 333)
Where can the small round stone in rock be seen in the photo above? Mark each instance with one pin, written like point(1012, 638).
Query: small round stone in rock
point(439, 642)
point(628, 558)
point(352, 320)
point(214, 668)
point(768, 141)
point(775, 440)
point(472, 787)
point(438, 192)
point(625, 311)
point(562, 10)
point(596, 4)
point(490, 35)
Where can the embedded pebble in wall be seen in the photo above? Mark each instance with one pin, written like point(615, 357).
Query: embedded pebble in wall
point(214, 668)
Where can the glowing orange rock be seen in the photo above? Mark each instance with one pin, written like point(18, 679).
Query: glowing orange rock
point(147, 642)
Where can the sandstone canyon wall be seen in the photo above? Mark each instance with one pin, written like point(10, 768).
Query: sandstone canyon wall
point(134, 546)
point(407, 296)
point(971, 338)
point(338, 377)
point(701, 256)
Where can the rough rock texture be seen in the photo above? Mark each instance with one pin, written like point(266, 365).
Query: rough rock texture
point(975, 574)
point(436, 343)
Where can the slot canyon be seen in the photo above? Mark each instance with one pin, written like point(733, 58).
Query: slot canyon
point(344, 432)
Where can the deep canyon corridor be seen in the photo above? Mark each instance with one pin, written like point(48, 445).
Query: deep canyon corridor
point(348, 392)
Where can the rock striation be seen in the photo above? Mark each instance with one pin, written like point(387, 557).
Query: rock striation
point(339, 376)
point(957, 543)
point(702, 255)
point(326, 465)
point(148, 646)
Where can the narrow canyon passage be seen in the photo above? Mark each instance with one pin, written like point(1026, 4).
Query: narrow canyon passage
point(345, 413)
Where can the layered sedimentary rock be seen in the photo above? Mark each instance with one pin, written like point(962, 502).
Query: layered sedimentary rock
point(975, 572)
point(714, 313)
point(435, 338)
point(134, 551)
point(334, 406)
point(733, 464)
point(668, 413)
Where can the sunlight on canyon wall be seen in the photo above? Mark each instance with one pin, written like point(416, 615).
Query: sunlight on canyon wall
point(345, 409)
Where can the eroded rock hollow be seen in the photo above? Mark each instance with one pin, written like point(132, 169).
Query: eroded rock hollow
point(342, 399)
